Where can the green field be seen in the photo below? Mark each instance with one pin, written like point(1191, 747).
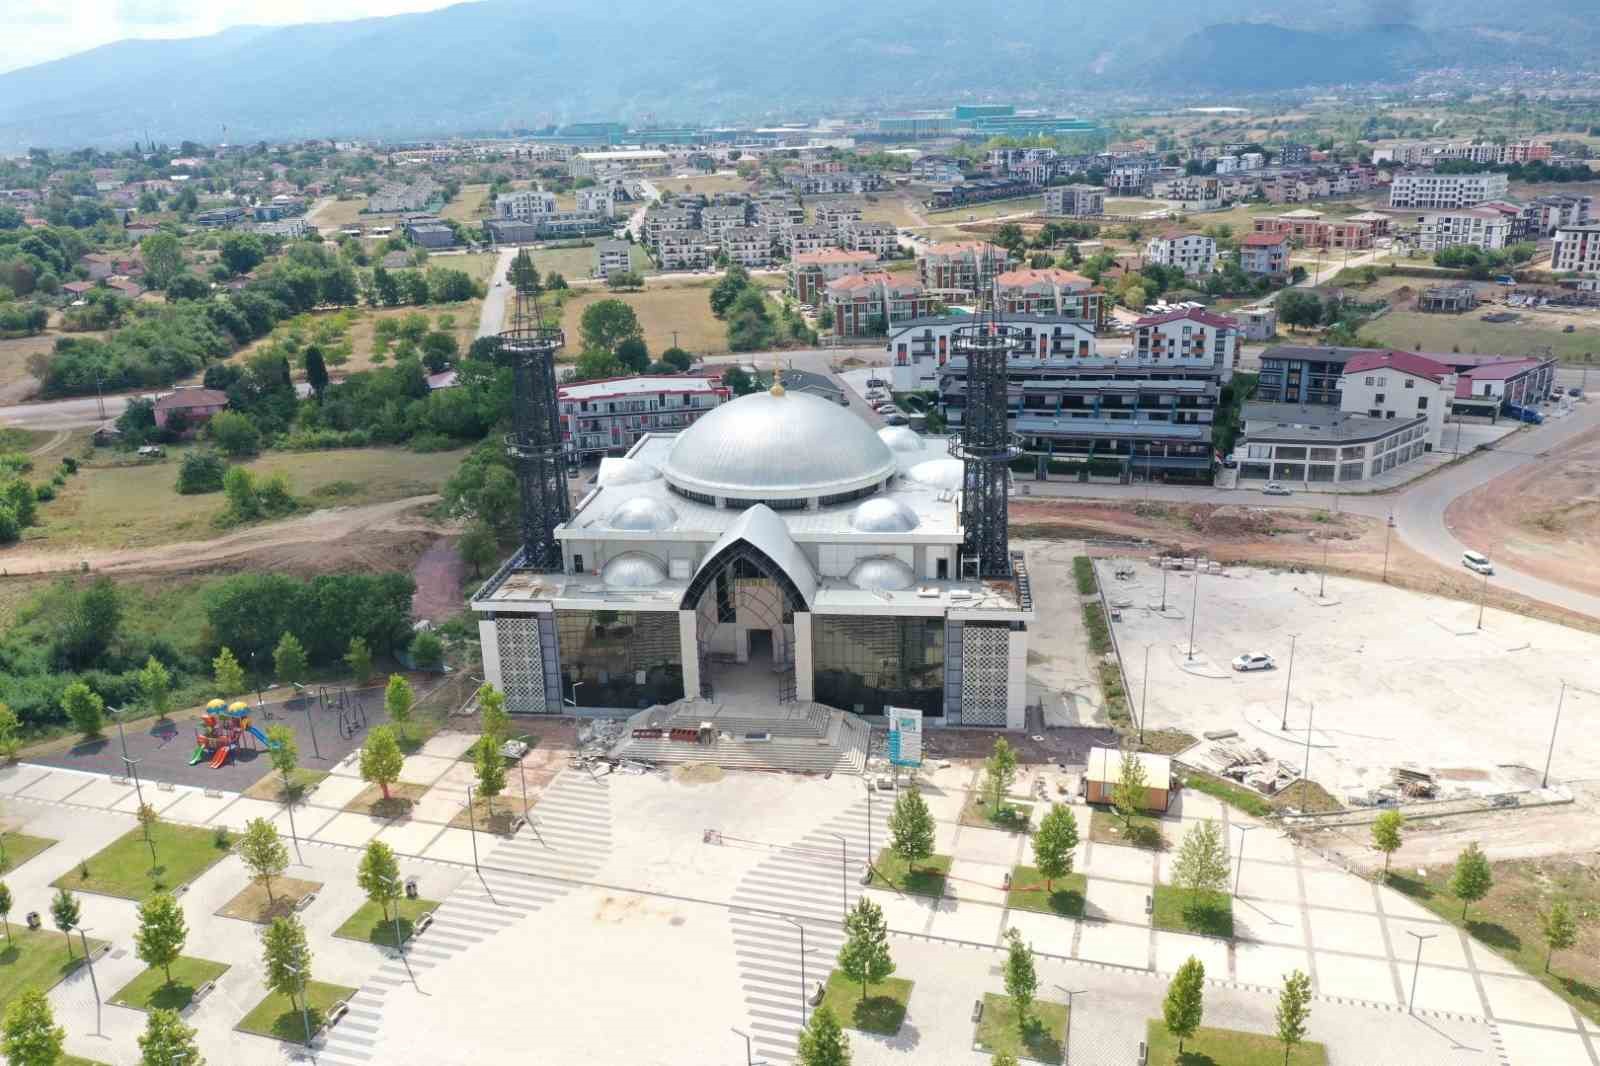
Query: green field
point(663, 310)
point(1469, 333)
point(280, 1019)
point(1026, 205)
point(1228, 1047)
point(123, 868)
point(470, 204)
point(150, 989)
point(36, 959)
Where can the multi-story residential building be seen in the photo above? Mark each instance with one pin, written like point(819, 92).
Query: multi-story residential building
point(1292, 154)
point(920, 349)
point(837, 218)
point(1309, 229)
point(662, 220)
point(797, 240)
point(1264, 253)
point(937, 170)
point(747, 245)
point(599, 199)
point(865, 304)
point(876, 237)
point(1076, 201)
point(1403, 385)
point(1525, 152)
point(777, 213)
point(1193, 253)
point(1486, 384)
point(1050, 291)
point(612, 257)
point(1446, 190)
point(980, 190)
point(1127, 178)
point(810, 272)
point(395, 197)
point(956, 267)
point(1190, 338)
point(525, 205)
point(683, 249)
point(1550, 213)
point(1478, 227)
point(606, 417)
point(842, 183)
point(718, 218)
point(1576, 248)
point(1291, 374)
point(1197, 192)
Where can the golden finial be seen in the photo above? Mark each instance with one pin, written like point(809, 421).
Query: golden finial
point(777, 376)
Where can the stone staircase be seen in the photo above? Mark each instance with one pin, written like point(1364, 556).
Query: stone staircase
point(797, 737)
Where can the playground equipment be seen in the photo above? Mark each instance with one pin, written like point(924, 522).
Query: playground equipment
point(222, 730)
point(351, 713)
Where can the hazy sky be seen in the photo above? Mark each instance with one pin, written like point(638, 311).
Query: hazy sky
point(34, 31)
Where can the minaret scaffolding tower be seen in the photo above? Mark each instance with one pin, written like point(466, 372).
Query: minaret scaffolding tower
point(534, 443)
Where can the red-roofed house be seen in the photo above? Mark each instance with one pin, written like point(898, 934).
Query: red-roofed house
point(863, 304)
point(1395, 384)
point(1193, 253)
point(191, 404)
point(1050, 291)
point(1525, 381)
point(1264, 253)
point(810, 272)
point(1189, 338)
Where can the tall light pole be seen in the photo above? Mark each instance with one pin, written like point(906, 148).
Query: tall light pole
point(1482, 596)
point(131, 765)
point(1305, 772)
point(1556, 725)
point(870, 853)
point(1287, 678)
point(1239, 869)
point(1387, 533)
point(1164, 572)
point(1066, 1041)
point(1322, 587)
point(1144, 694)
point(748, 1061)
point(305, 1009)
point(1416, 967)
point(1193, 610)
point(802, 929)
point(93, 983)
point(844, 878)
point(522, 774)
point(472, 825)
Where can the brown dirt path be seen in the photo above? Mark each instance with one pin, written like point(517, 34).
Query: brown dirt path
point(438, 575)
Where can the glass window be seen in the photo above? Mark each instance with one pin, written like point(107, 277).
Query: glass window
point(628, 659)
point(865, 664)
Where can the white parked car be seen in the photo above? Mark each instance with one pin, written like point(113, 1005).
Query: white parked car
point(1254, 661)
point(1477, 562)
point(1274, 488)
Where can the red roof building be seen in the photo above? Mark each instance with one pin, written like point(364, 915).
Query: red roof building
point(192, 405)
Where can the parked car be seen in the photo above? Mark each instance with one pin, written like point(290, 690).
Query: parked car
point(1274, 488)
point(1575, 391)
point(1254, 661)
point(877, 383)
point(1477, 562)
point(896, 419)
point(885, 408)
point(152, 451)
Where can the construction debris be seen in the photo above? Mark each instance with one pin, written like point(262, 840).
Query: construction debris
point(1225, 755)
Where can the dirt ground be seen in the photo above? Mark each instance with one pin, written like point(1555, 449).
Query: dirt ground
point(1544, 521)
point(438, 574)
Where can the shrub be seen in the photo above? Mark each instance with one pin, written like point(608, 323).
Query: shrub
point(10, 528)
point(44, 493)
point(201, 471)
point(235, 434)
point(427, 652)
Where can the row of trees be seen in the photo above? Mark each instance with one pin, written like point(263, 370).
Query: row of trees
point(743, 305)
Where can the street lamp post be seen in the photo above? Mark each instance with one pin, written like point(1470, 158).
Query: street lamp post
point(1066, 1041)
point(311, 724)
point(574, 699)
point(1164, 590)
point(1387, 533)
point(130, 765)
point(288, 803)
point(748, 1061)
point(844, 877)
point(1322, 587)
point(1416, 967)
point(522, 775)
point(1193, 610)
point(1556, 725)
point(1305, 773)
point(1287, 678)
point(472, 825)
point(802, 929)
point(1144, 693)
point(1239, 869)
point(93, 983)
point(1482, 596)
point(305, 1009)
point(870, 853)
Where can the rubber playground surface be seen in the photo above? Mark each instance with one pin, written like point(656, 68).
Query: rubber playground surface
point(162, 750)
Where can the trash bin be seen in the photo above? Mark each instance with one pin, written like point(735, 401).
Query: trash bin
point(34, 921)
point(411, 888)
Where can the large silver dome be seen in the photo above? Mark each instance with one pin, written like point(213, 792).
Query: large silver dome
point(778, 445)
point(882, 573)
point(633, 570)
point(643, 515)
point(938, 473)
point(883, 515)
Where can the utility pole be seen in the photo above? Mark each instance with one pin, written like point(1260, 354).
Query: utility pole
point(1288, 677)
point(1387, 533)
point(1556, 725)
point(1305, 771)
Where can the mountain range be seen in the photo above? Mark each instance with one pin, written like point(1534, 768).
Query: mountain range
point(505, 64)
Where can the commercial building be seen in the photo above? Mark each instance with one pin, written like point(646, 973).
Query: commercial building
point(1320, 444)
point(1440, 191)
point(1491, 384)
point(871, 304)
point(920, 349)
point(1190, 338)
point(429, 233)
point(608, 416)
point(954, 268)
point(1193, 253)
point(607, 164)
point(1265, 254)
point(810, 273)
point(1076, 201)
point(1576, 248)
point(1472, 226)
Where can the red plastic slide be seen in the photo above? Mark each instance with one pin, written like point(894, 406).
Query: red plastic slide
point(221, 756)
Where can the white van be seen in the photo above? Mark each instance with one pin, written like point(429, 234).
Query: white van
point(1479, 563)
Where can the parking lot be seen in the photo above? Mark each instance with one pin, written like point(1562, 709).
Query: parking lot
point(1380, 676)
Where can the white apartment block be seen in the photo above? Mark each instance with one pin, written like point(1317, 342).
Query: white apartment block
point(1478, 227)
point(599, 199)
point(525, 205)
point(1201, 192)
point(778, 213)
point(683, 249)
point(875, 237)
point(1444, 191)
point(612, 257)
point(719, 218)
point(749, 246)
point(837, 217)
point(798, 240)
point(809, 274)
point(1194, 253)
point(1577, 248)
point(1398, 385)
point(1077, 201)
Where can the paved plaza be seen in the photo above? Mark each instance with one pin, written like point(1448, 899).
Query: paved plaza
point(642, 916)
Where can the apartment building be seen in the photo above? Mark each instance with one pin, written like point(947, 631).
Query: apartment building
point(1474, 226)
point(1076, 201)
point(1525, 152)
point(937, 170)
point(1310, 229)
point(683, 249)
point(876, 237)
point(1576, 248)
point(1193, 253)
point(612, 257)
point(607, 417)
point(599, 199)
point(776, 214)
point(842, 183)
point(525, 205)
point(921, 348)
point(719, 218)
point(1550, 213)
point(956, 266)
point(1196, 192)
point(837, 217)
point(659, 221)
point(1399, 385)
point(747, 245)
point(1191, 338)
point(810, 273)
point(396, 196)
point(798, 240)
point(1264, 254)
point(1442, 191)
point(867, 304)
point(1050, 291)
point(1293, 374)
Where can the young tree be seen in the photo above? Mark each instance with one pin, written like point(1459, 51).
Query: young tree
point(491, 768)
point(263, 852)
point(31, 1036)
point(381, 758)
point(1000, 770)
point(492, 718)
point(1185, 1003)
point(911, 828)
point(290, 659)
point(1386, 836)
point(1471, 879)
point(1202, 862)
point(85, 708)
point(288, 957)
point(5, 908)
point(379, 876)
point(822, 1041)
point(147, 822)
point(1053, 844)
point(282, 751)
point(398, 700)
point(865, 954)
point(477, 547)
point(227, 673)
point(166, 1041)
point(1560, 930)
point(1294, 1011)
point(161, 934)
point(155, 685)
point(65, 912)
point(1022, 981)
point(1129, 793)
point(358, 657)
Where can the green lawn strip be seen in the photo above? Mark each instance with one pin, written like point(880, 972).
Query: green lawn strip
point(369, 925)
point(1042, 1041)
point(36, 959)
point(980, 813)
point(150, 989)
point(1083, 574)
point(881, 1011)
point(1064, 896)
point(1247, 800)
point(123, 867)
point(277, 1017)
point(1179, 910)
point(889, 870)
point(20, 847)
point(1142, 831)
point(1227, 1047)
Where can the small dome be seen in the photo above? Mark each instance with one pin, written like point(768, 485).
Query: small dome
point(643, 515)
point(883, 515)
point(937, 473)
point(625, 472)
point(900, 439)
point(633, 570)
point(882, 574)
